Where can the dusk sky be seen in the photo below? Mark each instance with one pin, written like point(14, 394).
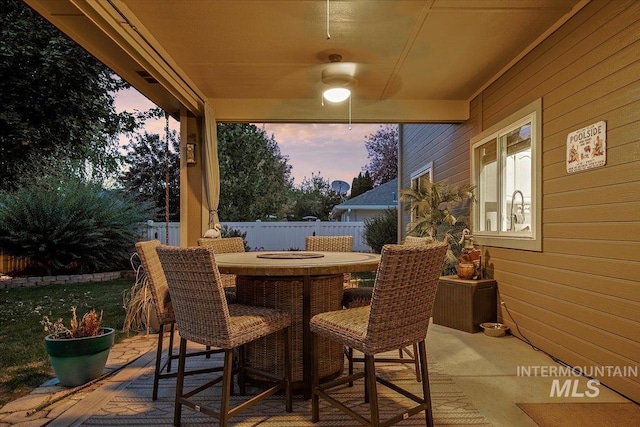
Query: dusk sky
point(331, 149)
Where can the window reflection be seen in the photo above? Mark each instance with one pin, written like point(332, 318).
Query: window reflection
point(517, 180)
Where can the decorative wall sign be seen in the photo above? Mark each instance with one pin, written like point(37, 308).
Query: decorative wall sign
point(587, 147)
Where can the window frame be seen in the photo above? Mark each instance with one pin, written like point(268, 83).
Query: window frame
point(509, 239)
point(415, 177)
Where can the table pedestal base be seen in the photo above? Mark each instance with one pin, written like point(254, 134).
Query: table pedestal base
point(302, 297)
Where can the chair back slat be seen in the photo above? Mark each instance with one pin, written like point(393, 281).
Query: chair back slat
point(332, 244)
point(224, 245)
point(154, 274)
point(329, 243)
point(417, 241)
point(403, 295)
point(197, 294)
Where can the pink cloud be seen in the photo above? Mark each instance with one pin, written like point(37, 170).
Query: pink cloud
point(331, 149)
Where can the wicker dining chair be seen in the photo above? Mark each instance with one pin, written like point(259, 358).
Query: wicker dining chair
point(398, 316)
point(159, 292)
point(331, 244)
point(358, 297)
point(225, 245)
point(417, 241)
point(205, 318)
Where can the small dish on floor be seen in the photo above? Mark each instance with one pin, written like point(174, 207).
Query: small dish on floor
point(492, 329)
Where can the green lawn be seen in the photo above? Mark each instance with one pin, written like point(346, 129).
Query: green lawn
point(24, 364)
point(364, 280)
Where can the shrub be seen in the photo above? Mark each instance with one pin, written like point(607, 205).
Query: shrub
point(382, 230)
point(227, 231)
point(68, 225)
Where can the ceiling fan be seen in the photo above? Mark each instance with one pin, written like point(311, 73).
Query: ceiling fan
point(338, 79)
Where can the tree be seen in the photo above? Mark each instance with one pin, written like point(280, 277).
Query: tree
point(146, 169)
point(56, 100)
point(382, 149)
point(361, 184)
point(314, 197)
point(255, 178)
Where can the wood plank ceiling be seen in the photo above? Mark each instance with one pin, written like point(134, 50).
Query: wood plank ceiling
point(262, 60)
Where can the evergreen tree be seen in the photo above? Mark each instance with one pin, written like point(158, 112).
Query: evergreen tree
point(361, 184)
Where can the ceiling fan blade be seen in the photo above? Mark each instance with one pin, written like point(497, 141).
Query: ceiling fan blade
point(340, 68)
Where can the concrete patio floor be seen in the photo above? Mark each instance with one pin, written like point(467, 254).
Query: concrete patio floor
point(486, 370)
point(480, 371)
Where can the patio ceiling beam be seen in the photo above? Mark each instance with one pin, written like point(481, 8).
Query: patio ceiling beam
point(116, 21)
point(363, 111)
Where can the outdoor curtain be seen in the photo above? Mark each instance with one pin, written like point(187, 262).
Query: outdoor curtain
point(211, 166)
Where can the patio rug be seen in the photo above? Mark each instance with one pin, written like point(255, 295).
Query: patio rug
point(583, 414)
point(133, 406)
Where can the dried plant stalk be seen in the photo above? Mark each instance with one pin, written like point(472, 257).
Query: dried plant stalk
point(90, 324)
point(137, 301)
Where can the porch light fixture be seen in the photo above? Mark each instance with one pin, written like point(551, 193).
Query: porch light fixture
point(336, 94)
point(337, 77)
point(191, 153)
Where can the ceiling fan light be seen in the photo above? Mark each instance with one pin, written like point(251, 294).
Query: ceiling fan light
point(336, 94)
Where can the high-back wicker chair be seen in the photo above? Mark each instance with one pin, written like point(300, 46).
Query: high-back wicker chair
point(225, 245)
point(417, 241)
point(358, 297)
point(204, 317)
point(398, 316)
point(331, 244)
point(159, 290)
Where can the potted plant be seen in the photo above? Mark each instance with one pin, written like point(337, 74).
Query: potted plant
point(438, 210)
point(78, 353)
point(470, 260)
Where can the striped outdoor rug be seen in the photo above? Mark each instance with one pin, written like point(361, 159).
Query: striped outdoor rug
point(133, 405)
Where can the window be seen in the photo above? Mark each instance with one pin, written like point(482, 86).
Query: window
point(506, 162)
point(419, 179)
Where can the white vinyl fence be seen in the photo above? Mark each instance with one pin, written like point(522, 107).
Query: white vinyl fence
point(272, 236)
point(158, 230)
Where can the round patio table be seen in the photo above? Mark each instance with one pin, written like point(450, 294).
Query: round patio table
point(303, 284)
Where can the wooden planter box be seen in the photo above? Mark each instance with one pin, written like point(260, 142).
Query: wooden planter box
point(464, 304)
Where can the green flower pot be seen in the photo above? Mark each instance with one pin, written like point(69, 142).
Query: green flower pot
point(77, 361)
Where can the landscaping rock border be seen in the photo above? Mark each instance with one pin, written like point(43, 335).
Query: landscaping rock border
point(31, 282)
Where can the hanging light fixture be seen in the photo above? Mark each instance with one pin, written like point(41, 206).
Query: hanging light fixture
point(338, 77)
point(336, 94)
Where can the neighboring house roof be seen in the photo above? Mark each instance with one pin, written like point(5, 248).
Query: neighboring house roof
point(384, 196)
